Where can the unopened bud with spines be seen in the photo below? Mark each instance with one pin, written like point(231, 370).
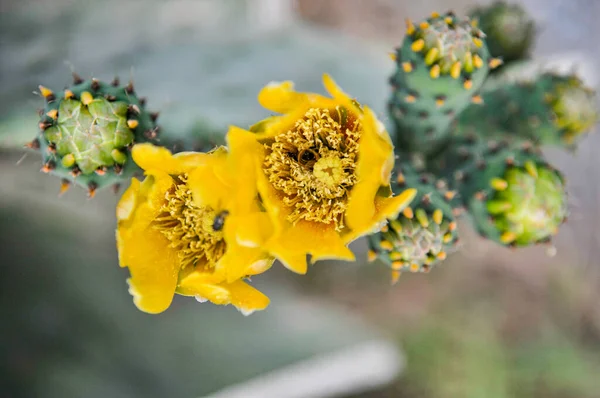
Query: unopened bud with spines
point(508, 27)
point(442, 63)
point(425, 232)
point(86, 132)
point(513, 196)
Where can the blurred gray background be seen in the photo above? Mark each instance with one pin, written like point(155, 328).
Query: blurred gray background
point(490, 322)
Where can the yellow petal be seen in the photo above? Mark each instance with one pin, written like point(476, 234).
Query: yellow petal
point(238, 293)
point(245, 163)
point(126, 205)
point(239, 261)
point(339, 95)
point(153, 266)
point(250, 229)
point(151, 157)
point(321, 241)
point(373, 166)
point(281, 97)
point(209, 183)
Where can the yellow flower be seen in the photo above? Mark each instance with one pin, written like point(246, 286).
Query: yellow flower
point(172, 243)
point(322, 173)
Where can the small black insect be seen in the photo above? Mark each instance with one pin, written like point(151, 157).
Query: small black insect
point(220, 220)
point(308, 157)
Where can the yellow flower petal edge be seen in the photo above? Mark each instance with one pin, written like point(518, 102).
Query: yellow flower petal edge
point(320, 169)
point(172, 239)
point(238, 293)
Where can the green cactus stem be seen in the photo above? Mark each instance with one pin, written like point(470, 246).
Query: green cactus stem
point(424, 233)
point(86, 132)
point(552, 110)
point(442, 63)
point(514, 197)
point(509, 30)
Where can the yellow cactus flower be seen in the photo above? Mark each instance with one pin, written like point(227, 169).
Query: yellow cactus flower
point(321, 171)
point(172, 243)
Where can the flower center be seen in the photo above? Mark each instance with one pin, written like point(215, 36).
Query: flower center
point(190, 228)
point(313, 165)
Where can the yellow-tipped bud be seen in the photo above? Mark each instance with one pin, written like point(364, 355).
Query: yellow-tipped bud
point(410, 27)
point(86, 98)
point(508, 237)
point(455, 70)
point(132, 123)
point(468, 62)
point(68, 160)
point(431, 56)
point(495, 62)
point(45, 91)
point(422, 218)
point(408, 212)
point(118, 156)
point(498, 184)
point(53, 114)
point(531, 168)
point(407, 67)
point(438, 216)
point(434, 72)
point(371, 256)
point(417, 45)
point(386, 245)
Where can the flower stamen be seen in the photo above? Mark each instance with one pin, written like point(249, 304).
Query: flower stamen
point(313, 165)
point(189, 228)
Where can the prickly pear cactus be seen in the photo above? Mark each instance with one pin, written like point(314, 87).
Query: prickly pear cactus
point(550, 110)
point(469, 145)
point(509, 30)
point(87, 130)
point(424, 233)
point(442, 63)
point(513, 196)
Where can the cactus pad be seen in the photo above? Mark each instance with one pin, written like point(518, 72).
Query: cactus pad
point(509, 29)
point(513, 195)
point(424, 233)
point(552, 110)
point(87, 130)
point(442, 63)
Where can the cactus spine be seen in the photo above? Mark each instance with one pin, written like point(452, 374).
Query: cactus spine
point(86, 132)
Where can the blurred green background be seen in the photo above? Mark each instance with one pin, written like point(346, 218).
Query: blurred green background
point(491, 322)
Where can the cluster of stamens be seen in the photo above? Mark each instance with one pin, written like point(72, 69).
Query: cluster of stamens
point(189, 228)
point(313, 165)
